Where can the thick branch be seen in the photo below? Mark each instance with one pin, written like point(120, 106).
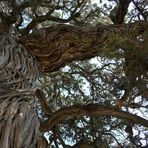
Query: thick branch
point(57, 45)
point(120, 11)
point(90, 110)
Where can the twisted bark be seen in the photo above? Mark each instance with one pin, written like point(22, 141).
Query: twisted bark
point(19, 123)
point(57, 45)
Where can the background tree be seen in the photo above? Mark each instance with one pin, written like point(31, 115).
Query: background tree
point(50, 85)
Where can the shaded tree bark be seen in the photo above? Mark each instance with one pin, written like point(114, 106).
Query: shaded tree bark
point(57, 45)
point(19, 123)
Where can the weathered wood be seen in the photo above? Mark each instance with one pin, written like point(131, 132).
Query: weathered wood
point(60, 44)
point(90, 110)
point(19, 123)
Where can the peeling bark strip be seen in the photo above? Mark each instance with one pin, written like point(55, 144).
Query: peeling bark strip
point(56, 45)
point(19, 124)
point(90, 110)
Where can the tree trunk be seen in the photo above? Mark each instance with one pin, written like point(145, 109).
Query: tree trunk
point(19, 123)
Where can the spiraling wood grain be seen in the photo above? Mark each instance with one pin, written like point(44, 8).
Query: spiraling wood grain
point(19, 124)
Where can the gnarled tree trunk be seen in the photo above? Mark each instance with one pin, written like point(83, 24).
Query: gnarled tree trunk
point(19, 123)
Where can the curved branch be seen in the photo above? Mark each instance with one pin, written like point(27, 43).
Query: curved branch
point(57, 45)
point(41, 19)
point(140, 10)
point(50, 17)
point(90, 110)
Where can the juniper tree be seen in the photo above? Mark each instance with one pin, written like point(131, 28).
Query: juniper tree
point(49, 84)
